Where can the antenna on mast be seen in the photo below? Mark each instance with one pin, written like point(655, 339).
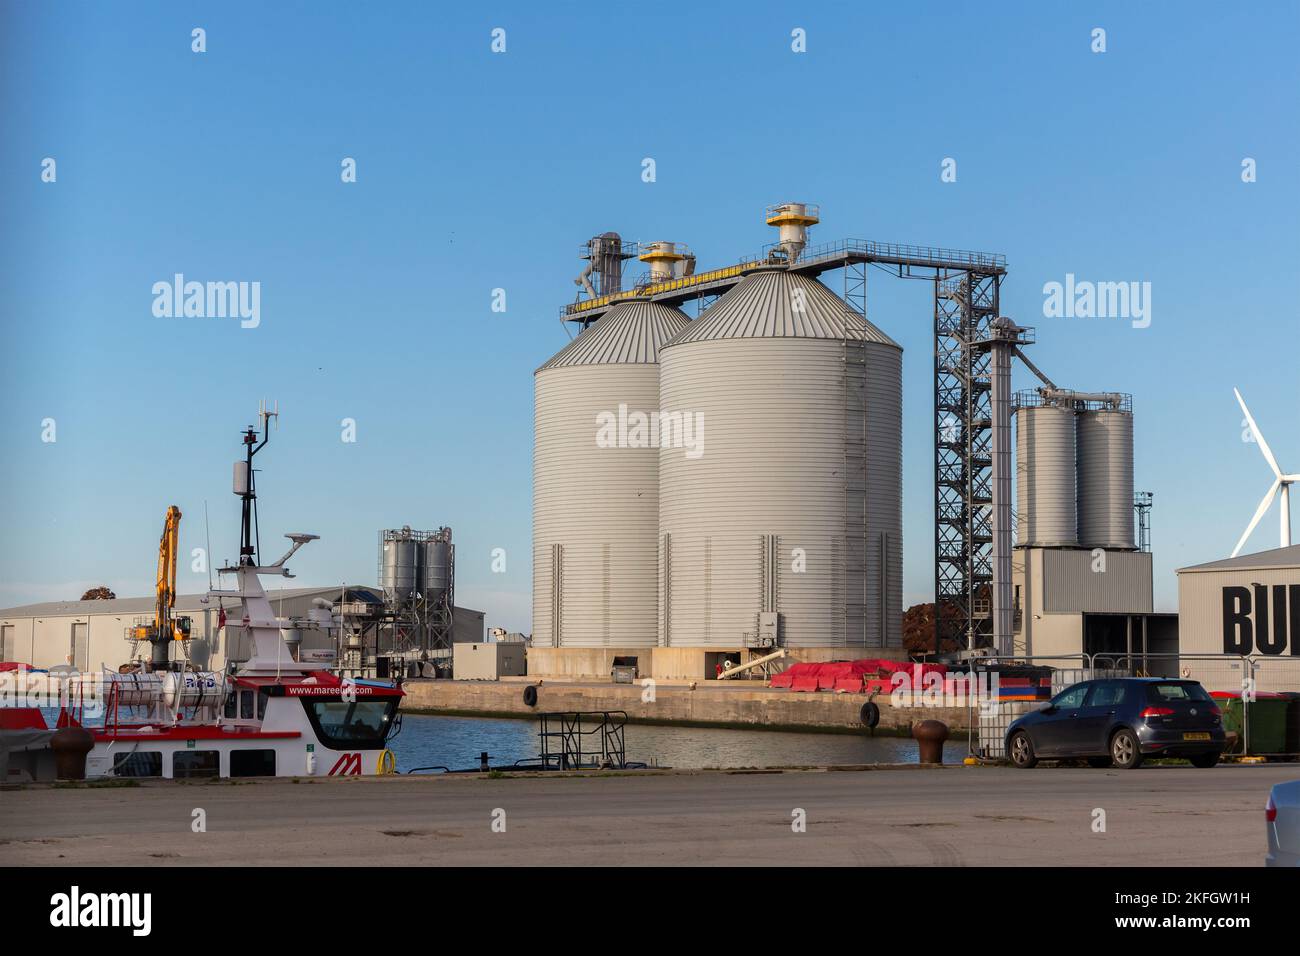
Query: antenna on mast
point(245, 484)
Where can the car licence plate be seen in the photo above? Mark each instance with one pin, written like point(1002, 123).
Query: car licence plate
point(1196, 736)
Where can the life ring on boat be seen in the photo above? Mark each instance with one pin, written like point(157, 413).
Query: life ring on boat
point(530, 696)
point(387, 762)
point(870, 714)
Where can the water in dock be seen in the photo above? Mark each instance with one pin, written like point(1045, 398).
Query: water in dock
point(456, 742)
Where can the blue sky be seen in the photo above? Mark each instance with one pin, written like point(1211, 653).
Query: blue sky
point(479, 170)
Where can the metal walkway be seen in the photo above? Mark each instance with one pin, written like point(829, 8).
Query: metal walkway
point(814, 261)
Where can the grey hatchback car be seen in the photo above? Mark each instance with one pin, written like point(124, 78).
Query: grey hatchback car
point(1121, 722)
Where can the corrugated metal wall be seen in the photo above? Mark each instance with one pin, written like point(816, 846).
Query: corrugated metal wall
point(1072, 581)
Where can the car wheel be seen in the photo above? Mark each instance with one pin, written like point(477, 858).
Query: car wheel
point(1099, 763)
point(1205, 761)
point(1021, 750)
point(1125, 752)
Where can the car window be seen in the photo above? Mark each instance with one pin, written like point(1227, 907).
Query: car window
point(1071, 697)
point(1180, 690)
point(1109, 694)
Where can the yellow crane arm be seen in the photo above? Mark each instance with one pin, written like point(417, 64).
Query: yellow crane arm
point(166, 584)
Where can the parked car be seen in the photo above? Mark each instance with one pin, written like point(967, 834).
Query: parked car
point(1282, 814)
point(1121, 722)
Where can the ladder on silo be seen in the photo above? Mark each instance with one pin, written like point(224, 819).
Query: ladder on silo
point(856, 567)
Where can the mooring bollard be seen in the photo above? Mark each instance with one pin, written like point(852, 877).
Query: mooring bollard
point(483, 762)
point(930, 735)
point(70, 746)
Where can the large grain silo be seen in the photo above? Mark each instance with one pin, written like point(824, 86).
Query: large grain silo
point(595, 482)
point(1046, 514)
point(781, 503)
point(1104, 441)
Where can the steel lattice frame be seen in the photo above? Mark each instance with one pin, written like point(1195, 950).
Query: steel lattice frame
point(965, 304)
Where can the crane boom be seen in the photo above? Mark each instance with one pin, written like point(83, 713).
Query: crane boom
point(165, 628)
point(166, 583)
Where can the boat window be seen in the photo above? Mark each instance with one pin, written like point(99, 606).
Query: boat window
point(356, 725)
point(262, 697)
point(147, 764)
point(196, 763)
point(245, 705)
point(252, 763)
point(231, 704)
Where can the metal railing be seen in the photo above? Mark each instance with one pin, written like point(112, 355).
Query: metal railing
point(1259, 695)
point(840, 250)
point(903, 253)
point(582, 740)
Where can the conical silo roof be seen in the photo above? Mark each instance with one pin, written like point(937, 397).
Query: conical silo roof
point(631, 333)
point(762, 305)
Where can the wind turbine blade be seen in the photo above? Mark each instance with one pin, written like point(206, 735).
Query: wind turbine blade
point(1259, 438)
point(1259, 513)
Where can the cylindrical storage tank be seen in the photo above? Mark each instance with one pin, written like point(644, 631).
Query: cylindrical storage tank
point(596, 482)
point(399, 565)
point(1045, 477)
point(1105, 476)
point(436, 568)
point(784, 493)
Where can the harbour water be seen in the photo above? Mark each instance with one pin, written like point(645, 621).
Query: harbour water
point(456, 742)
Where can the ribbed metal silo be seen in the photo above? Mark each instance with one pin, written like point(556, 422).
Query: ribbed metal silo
point(399, 564)
point(436, 566)
point(788, 498)
point(1045, 476)
point(1105, 470)
point(596, 482)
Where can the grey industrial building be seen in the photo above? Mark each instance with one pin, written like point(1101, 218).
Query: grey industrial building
point(1081, 583)
point(92, 634)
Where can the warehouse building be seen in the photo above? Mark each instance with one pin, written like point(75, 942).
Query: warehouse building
point(1248, 605)
point(91, 635)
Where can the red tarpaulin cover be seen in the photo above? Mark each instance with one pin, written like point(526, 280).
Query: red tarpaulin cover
point(849, 675)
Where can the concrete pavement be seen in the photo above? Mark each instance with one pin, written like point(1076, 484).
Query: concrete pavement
point(1155, 816)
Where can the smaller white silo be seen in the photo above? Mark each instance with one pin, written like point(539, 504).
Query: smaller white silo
point(1105, 476)
point(1046, 512)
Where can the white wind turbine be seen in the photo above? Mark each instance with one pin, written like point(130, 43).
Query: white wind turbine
point(1281, 486)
